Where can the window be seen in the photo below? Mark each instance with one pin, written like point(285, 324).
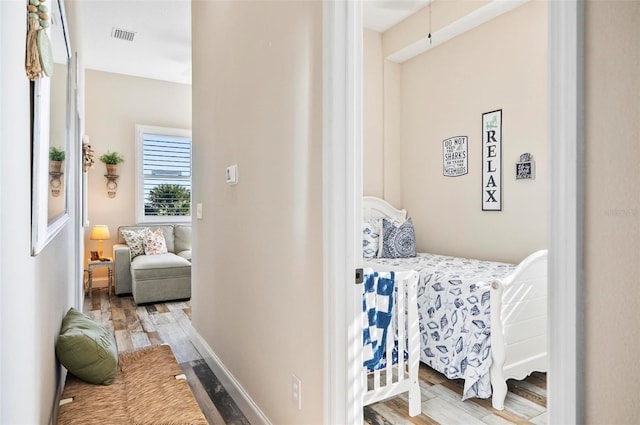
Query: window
point(163, 168)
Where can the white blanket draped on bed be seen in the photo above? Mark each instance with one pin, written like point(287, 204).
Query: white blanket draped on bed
point(454, 315)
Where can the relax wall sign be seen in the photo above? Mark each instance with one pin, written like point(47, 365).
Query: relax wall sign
point(492, 161)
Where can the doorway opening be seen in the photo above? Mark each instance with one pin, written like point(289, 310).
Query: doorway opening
point(565, 76)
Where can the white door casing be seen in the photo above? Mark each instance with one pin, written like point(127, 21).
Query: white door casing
point(342, 171)
point(566, 143)
point(342, 213)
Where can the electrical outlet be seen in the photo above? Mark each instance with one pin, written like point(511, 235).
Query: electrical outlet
point(296, 391)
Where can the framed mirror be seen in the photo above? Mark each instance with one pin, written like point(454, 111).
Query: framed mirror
point(51, 101)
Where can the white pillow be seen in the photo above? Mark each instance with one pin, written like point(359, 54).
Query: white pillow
point(370, 240)
point(154, 242)
point(134, 238)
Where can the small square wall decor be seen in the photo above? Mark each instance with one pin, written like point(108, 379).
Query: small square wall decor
point(525, 168)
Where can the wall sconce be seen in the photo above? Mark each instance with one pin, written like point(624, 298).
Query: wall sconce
point(111, 160)
point(55, 182)
point(100, 232)
point(87, 155)
point(112, 184)
point(56, 159)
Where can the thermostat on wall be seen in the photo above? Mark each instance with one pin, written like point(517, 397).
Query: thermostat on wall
point(232, 174)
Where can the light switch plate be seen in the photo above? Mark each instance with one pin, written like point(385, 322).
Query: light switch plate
point(232, 174)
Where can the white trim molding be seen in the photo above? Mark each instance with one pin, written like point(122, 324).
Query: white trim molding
point(241, 397)
point(342, 197)
point(566, 144)
point(140, 131)
point(466, 23)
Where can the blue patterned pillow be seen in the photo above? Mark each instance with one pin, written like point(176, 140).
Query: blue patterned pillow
point(370, 240)
point(398, 241)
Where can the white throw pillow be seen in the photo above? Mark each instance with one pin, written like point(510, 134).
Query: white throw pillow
point(154, 242)
point(370, 240)
point(134, 238)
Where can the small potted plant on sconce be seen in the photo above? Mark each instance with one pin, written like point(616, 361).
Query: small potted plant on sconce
point(56, 156)
point(112, 159)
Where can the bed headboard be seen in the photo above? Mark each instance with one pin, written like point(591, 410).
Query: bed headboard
point(375, 208)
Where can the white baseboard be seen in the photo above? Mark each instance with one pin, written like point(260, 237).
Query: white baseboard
point(249, 408)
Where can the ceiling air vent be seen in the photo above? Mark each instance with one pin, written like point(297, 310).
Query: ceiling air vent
point(120, 34)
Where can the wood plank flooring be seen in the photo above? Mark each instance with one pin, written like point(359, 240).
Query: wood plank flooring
point(442, 404)
point(165, 323)
point(142, 326)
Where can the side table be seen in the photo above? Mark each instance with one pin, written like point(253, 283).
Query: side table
point(108, 263)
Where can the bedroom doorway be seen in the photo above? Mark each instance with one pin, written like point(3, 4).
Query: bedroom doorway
point(564, 87)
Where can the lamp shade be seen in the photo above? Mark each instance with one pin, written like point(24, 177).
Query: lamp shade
point(100, 232)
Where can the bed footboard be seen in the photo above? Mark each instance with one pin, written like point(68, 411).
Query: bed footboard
point(518, 324)
point(402, 376)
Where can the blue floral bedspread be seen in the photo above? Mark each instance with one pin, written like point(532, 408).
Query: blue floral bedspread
point(454, 315)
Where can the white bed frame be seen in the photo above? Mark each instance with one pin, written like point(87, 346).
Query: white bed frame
point(402, 376)
point(518, 312)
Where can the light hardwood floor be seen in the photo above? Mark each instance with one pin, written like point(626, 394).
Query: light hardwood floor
point(442, 404)
point(165, 323)
point(141, 326)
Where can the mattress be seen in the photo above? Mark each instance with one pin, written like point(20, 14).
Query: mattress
point(454, 314)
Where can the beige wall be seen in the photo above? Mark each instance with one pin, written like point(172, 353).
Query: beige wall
point(612, 212)
point(441, 94)
point(114, 104)
point(257, 267)
point(373, 101)
point(392, 160)
point(381, 122)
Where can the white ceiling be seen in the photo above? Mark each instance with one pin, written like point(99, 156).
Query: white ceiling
point(161, 46)
point(380, 15)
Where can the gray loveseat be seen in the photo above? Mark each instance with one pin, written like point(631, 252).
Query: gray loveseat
point(154, 278)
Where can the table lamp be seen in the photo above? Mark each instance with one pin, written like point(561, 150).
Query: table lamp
point(99, 233)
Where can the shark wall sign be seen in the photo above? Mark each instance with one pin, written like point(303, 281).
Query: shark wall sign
point(454, 156)
point(492, 161)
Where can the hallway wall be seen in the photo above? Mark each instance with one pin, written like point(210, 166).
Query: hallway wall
point(257, 266)
point(612, 211)
point(35, 292)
